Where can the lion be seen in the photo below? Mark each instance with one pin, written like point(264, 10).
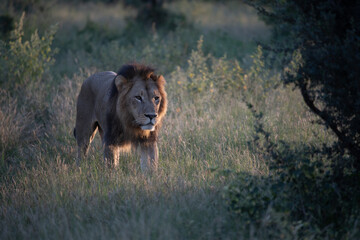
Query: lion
point(127, 108)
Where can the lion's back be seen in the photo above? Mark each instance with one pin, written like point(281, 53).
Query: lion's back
point(96, 87)
point(92, 100)
point(99, 83)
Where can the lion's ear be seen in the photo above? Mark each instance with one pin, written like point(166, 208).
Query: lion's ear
point(119, 81)
point(161, 79)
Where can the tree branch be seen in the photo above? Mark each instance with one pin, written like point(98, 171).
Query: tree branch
point(355, 151)
point(276, 50)
point(263, 12)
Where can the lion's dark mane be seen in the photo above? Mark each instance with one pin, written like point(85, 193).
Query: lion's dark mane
point(116, 134)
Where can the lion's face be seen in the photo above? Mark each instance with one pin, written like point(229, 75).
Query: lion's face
point(146, 102)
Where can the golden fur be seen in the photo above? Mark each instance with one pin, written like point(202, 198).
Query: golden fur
point(127, 108)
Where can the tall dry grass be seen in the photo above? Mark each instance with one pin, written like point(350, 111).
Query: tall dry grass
point(11, 121)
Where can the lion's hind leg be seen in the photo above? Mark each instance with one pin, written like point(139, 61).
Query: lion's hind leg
point(84, 135)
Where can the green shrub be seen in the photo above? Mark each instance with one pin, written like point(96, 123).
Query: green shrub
point(206, 74)
point(303, 185)
point(23, 62)
point(249, 197)
point(24, 109)
point(306, 184)
point(324, 38)
point(258, 204)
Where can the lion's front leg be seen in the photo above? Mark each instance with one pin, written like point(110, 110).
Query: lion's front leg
point(149, 157)
point(111, 155)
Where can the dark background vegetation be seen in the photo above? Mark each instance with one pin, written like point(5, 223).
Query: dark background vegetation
point(262, 138)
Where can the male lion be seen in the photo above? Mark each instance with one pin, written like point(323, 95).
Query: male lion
point(127, 108)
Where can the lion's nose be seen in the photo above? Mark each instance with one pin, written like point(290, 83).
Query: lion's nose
point(151, 116)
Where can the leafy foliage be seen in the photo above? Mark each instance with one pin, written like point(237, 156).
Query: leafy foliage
point(206, 74)
point(24, 108)
point(24, 62)
point(315, 187)
point(303, 187)
point(325, 66)
point(249, 197)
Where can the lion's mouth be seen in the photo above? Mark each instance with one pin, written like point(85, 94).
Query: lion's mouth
point(149, 127)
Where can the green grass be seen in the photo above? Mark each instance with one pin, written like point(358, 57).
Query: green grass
point(206, 138)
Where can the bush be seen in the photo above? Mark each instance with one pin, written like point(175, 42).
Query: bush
point(315, 187)
point(301, 187)
point(206, 74)
point(321, 46)
point(249, 197)
point(23, 63)
point(24, 109)
point(257, 202)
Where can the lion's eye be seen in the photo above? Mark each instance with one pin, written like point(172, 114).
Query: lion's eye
point(138, 98)
point(157, 99)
